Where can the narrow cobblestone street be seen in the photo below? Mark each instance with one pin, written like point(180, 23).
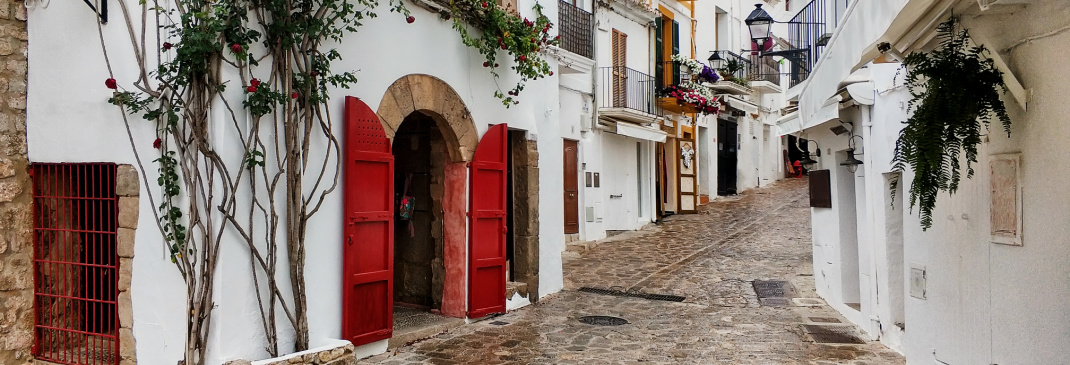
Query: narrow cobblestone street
point(711, 259)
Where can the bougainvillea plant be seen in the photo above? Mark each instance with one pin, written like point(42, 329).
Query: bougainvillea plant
point(503, 31)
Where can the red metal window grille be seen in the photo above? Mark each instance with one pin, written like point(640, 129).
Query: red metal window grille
point(76, 265)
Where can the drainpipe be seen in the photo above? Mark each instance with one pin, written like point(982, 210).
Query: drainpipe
point(867, 131)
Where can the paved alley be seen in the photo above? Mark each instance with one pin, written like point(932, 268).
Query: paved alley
point(710, 259)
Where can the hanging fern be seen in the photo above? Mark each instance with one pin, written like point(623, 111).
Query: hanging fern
point(954, 90)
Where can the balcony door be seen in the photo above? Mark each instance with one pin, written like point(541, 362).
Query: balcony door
point(620, 76)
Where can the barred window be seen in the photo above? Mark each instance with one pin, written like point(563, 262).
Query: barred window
point(76, 265)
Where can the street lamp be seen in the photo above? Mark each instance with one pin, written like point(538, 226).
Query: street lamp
point(806, 161)
point(759, 22)
point(851, 162)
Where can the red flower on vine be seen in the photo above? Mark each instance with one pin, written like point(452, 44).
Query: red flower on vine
point(251, 88)
point(157, 143)
point(254, 82)
point(293, 95)
point(110, 83)
point(486, 64)
point(236, 48)
point(484, 5)
point(410, 19)
point(523, 58)
point(167, 45)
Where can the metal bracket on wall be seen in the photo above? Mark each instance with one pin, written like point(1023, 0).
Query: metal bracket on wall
point(102, 12)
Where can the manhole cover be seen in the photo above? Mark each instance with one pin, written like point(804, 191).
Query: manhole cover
point(773, 289)
point(832, 334)
point(603, 320)
point(774, 302)
point(824, 320)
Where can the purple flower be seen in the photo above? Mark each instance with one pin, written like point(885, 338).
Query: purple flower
point(708, 74)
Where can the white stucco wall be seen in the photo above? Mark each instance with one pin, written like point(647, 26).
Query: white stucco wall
point(985, 303)
point(70, 121)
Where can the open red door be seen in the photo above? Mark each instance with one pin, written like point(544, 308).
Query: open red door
point(368, 237)
point(486, 217)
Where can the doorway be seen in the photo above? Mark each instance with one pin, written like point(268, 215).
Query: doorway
point(419, 163)
point(727, 156)
point(571, 186)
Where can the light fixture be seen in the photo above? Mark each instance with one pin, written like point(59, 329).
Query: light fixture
point(759, 22)
point(851, 162)
point(806, 161)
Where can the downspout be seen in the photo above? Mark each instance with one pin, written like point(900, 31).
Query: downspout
point(874, 315)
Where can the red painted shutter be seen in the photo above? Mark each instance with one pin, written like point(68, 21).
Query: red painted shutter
point(368, 262)
point(486, 217)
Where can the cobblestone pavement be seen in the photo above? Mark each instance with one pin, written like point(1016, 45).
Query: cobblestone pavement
point(710, 258)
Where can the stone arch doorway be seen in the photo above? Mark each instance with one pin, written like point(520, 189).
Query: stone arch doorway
point(432, 130)
point(439, 108)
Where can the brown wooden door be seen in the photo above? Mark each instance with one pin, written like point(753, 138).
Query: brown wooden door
point(620, 69)
point(572, 190)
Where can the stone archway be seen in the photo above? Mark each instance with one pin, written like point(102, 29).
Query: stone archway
point(435, 98)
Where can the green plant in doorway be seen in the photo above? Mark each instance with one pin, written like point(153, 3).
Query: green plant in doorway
point(955, 90)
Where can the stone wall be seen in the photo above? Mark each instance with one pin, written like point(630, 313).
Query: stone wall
point(526, 213)
point(340, 355)
point(16, 258)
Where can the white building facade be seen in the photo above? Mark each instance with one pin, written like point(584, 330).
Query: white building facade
point(973, 288)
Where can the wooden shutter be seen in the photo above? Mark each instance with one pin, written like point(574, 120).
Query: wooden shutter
point(368, 247)
point(820, 189)
point(659, 52)
point(486, 249)
point(620, 61)
point(675, 50)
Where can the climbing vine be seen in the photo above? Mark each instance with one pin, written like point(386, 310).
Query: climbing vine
point(955, 89)
point(236, 91)
point(500, 30)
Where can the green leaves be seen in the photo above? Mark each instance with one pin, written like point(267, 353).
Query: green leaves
point(504, 32)
point(955, 89)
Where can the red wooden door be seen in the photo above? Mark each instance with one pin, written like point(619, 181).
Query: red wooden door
point(572, 189)
point(368, 256)
point(486, 217)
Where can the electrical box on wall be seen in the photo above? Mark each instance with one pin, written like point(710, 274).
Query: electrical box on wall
point(588, 213)
point(917, 281)
point(585, 122)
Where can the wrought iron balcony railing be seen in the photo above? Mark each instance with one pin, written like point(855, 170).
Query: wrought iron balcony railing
point(763, 69)
point(622, 87)
point(576, 28)
point(731, 66)
point(809, 32)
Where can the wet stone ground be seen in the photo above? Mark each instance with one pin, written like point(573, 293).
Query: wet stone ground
point(710, 258)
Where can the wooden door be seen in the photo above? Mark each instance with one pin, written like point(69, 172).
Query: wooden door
point(727, 151)
point(687, 157)
point(368, 253)
point(620, 69)
point(487, 221)
point(572, 197)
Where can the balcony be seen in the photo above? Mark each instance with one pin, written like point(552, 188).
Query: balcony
point(808, 34)
point(734, 70)
point(628, 94)
point(576, 28)
point(764, 74)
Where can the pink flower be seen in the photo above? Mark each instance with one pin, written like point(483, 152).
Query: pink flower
point(236, 48)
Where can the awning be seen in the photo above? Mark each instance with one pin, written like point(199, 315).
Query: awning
point(741, 105)
point(636, 131)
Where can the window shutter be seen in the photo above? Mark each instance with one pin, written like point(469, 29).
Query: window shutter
point(659, 53)
point(820, 189)
point(675, 50)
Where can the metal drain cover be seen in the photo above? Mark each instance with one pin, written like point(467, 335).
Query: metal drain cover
point(633, 294)
point(603, 320)
point(773, 289)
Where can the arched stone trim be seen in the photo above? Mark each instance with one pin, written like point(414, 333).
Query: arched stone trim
point(435, 98)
